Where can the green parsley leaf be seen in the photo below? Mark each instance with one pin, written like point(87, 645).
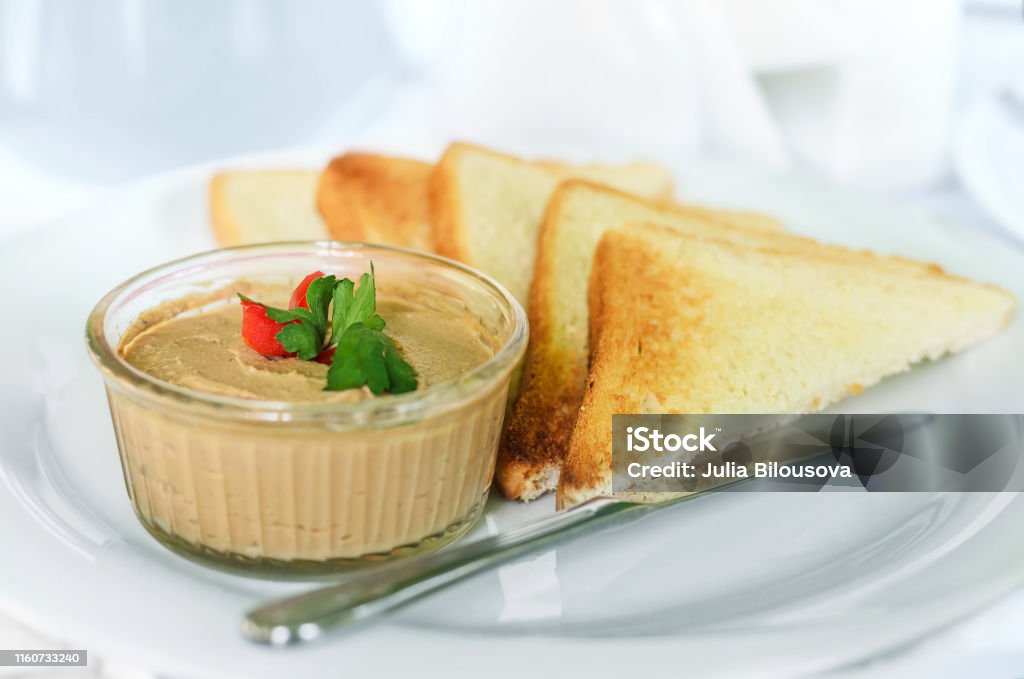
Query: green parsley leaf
point(355, 306)
point(289, 315)
point(366, 356)
point(359, 360)
point(401, 376)
point(301, 339)
point(318, 298)
point(365, 303)
point(282, 315)
point(343, 297)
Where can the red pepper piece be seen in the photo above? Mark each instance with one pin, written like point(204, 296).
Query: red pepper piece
point(325, 356)
point(259, 331)
point(299, 295)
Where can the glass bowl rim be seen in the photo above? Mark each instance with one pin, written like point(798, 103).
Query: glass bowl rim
point(393, 409)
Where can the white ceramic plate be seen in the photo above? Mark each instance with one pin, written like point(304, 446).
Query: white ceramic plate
point(789, 582)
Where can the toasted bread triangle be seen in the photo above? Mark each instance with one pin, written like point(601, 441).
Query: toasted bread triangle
point(555, 372)
point(714, 326)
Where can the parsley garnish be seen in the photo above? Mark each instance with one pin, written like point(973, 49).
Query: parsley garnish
point(351, 306)
point(363, 354)
point(371, 359)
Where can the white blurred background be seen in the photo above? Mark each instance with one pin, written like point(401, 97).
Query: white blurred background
point(896, 96)
point(921, 100)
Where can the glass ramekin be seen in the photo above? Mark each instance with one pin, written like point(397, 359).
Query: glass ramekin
point(278, 488)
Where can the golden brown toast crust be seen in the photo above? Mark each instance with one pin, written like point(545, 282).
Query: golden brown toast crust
point(650, 303)
point(538, 430)
point(614, 291)
point(529, 458)
point(225, 230)
point(445, 204)
point(377, 199)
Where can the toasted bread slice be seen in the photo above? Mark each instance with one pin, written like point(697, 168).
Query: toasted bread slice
point(377, 199)
point(717, 327)
point(639, 178)
point(260, 206)
point(555, 372)
point(487, 206)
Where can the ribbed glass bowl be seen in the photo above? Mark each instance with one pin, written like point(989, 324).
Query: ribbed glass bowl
point(278, 488)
